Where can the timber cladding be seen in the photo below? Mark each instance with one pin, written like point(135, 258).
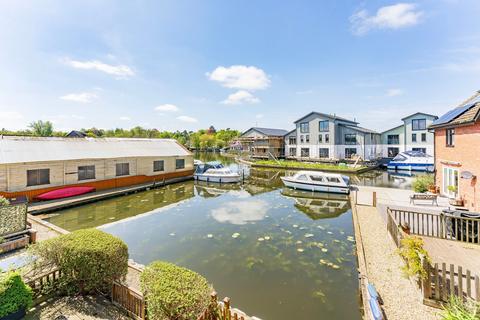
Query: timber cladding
point(104, 184)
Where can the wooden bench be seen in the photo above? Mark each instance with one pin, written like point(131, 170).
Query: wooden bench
point(424, 196)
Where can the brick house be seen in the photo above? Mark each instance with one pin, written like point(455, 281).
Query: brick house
point(457, 152)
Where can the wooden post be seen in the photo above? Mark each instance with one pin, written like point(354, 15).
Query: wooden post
point(374, 201)
point(226, 308)
point(477, 288)
point(426, 283)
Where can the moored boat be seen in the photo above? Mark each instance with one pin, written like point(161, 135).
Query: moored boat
point(65, 193)
point(215, 172)
point(412, 161)
point(317, 181)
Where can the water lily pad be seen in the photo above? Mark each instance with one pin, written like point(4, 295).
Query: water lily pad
point(235, 235)
point(322, 261)
point(295, 226)
point(172, 234)
point(267, 238)
point(299, 242)
point(351, 239)
point(335, 266)
point(300, 250)
point(321, 227)
point(209, 235)
point(329, 232)
point(309, 235)
point(324, 249)
point(260, 239)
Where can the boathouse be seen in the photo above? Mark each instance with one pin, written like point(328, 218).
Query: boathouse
point(457, 156)
point(30, 166)
point(263, 142)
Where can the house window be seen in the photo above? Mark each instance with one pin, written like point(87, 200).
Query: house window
point(307, 138)
point(424, 137)
point(393, 139)
point(304, 127)
point(86, 172)
point(158, 165)
point(450, 134)
point(327, 138)
point(419, 124)
point(350, 139)
point(392, 152)
point(122, 169)
point(323, 153)
point(292, 140)
point(179, 163)
point(320, 138)
point(450, 179)
point(38, 177)
point(301, 139)
point(323, 126)
point(305, 152)
point(349, 152)
point(424, 150)
point(414, 137)
point(292, 152)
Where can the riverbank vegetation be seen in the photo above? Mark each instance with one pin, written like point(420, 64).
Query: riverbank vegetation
point(457, 309)
point(201, 140)
point(423, 183)
point(287, 164)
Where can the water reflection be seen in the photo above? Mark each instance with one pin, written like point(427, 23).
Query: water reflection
point(241, 212)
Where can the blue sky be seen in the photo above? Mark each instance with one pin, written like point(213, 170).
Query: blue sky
point(190, 64)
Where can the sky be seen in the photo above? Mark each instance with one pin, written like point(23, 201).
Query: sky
point(186, 65)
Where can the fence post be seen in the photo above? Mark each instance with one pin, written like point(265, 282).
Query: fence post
point(426, 282)
point(374, 200)
point(226, 309)
point(477, 288)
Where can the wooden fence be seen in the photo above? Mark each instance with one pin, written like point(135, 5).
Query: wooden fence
point(441, 283)
point(130, 300)
point(43, 285)
point(438, 225)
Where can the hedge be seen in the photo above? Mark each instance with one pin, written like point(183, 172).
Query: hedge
point(14, 293)
point(90, 259)
point(422, 183)
point(173, 292)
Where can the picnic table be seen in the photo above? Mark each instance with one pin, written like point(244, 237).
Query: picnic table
point(424, 197)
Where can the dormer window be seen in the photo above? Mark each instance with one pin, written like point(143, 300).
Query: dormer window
point(304, 127)
point(419, 124)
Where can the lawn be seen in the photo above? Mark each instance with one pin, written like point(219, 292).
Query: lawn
point(308, 165)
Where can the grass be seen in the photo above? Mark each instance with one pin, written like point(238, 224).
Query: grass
point(307, 165)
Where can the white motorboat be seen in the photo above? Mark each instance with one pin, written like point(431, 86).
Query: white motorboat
point(197, 162)
point(216, 172)
point(412, 161)
point(318, 181)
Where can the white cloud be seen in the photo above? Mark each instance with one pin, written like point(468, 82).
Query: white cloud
point(120, 71)
point(394, 92)
point(167, 107)
point(240, 77)
point(240, 97)
point(84, 97)
point(259, 116)
point(125, 118)
point(241, 212)
point(400, 15)
point(187, 119)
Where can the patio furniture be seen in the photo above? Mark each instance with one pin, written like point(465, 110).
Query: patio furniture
point(424, 197)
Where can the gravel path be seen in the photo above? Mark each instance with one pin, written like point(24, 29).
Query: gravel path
point(402, 300)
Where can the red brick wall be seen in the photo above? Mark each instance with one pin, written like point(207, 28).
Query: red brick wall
point(466, 153)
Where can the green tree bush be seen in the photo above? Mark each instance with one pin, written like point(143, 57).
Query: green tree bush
point(422, 183)
point(14, 293)
point(90, 259)
point(413, 252)
point(173, 292)
point(4, 201)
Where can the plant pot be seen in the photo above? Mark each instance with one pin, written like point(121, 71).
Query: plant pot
point(456, 202)
point(19, 314)
point(433, 189)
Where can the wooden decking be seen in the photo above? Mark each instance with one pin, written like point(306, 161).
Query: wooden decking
point(463, 254)
point(48, 206)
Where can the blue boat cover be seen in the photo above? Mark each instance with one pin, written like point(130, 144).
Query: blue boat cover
point(372, 291)
point(375, 309)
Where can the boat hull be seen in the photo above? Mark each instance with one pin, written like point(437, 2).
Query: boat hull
point(411, 166)
point(315, 187)
point(65, 193)
point(217, 179)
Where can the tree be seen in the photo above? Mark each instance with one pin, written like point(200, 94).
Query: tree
point(41, 128)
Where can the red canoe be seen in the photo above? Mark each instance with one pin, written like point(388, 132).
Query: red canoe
point(65, 193)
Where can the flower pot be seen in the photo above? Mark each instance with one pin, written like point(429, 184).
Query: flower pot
point(456, 202)
point(17, 315)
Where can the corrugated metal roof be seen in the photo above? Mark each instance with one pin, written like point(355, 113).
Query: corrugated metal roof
point(29, 149)
point(269, 131)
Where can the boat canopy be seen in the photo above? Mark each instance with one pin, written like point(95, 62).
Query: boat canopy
point(202, 168)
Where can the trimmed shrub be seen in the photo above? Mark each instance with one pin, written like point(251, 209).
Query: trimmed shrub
point(173, 292)
point(422, 183)
point(14, 293)
point(90, 259)
point(4, 201)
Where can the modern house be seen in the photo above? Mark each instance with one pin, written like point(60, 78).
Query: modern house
point(411, 135)
point(31, 166)
point(329, 137)
point(457, 152)
point(263, 142)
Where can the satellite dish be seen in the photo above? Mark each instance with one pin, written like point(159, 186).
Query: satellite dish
point(466, 175)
